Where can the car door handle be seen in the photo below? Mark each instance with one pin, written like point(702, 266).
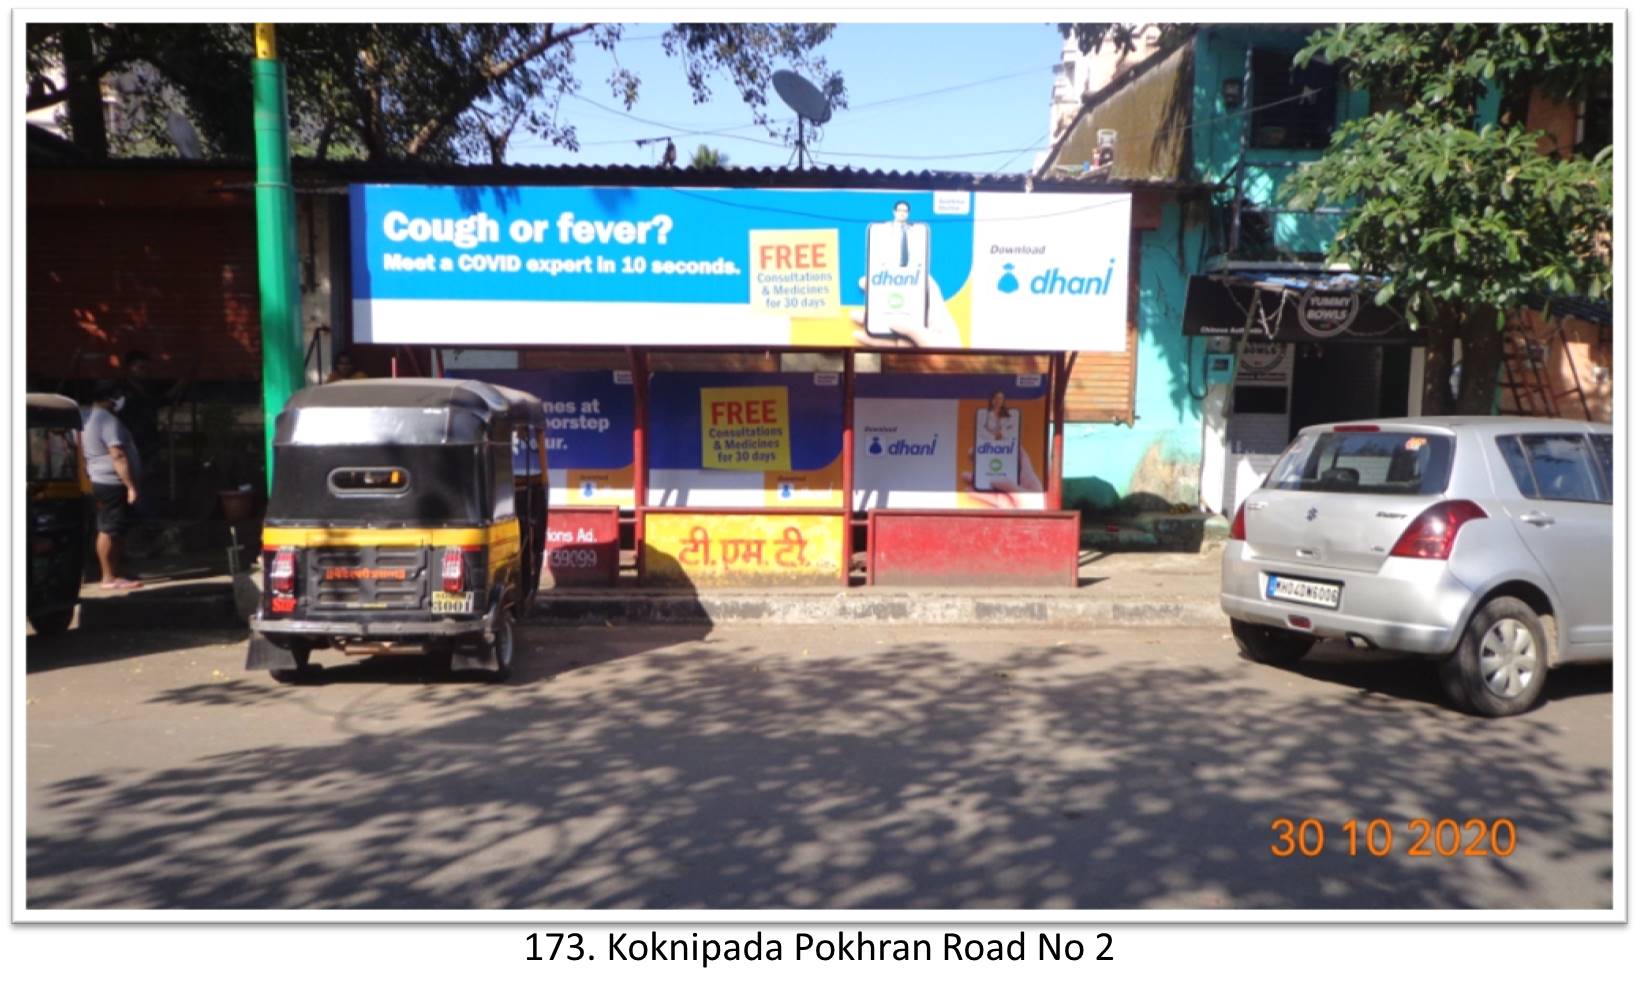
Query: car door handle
point(1537, 518)
point(1256, 506)
point(1306, 552)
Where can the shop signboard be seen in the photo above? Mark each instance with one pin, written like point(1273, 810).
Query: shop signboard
point(1291, 307)
point(701, 549)
point(469, 266)
point(944, 441)
point(1265, 363)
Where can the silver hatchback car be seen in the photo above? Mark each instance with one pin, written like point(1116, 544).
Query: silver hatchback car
point(1483, 542)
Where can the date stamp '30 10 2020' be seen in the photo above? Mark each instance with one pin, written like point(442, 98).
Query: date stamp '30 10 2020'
point(1421, 838)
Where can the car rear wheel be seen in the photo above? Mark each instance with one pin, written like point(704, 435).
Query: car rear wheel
point(1269, 644)
point(1500, 666)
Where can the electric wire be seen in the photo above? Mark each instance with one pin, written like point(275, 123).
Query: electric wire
point(1306, 95)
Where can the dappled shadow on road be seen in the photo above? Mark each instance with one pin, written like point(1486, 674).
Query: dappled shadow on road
point(655, 774)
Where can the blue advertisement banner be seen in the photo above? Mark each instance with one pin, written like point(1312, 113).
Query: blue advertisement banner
point(589, 416)
point(658, 266)
point(677, 429)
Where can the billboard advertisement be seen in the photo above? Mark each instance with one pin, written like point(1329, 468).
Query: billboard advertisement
point(949, 441)
point(672, 266)
point(745, 440)
point(589, 418)
point(774, 440)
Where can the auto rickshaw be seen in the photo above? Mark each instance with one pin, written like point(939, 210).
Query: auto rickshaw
point(57, 494)
point(406, 516)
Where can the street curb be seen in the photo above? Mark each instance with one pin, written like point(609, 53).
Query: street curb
point(184, 606)
point(900, 608)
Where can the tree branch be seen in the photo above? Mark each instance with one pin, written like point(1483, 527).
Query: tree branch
point(490, 75)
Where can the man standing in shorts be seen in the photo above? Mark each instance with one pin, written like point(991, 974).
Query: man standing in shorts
point(112, 461)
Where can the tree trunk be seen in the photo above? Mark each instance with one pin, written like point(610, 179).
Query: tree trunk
point(86, 124)
point(1481, 361)
point(1436, 365)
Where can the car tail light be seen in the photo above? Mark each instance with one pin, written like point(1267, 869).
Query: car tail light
point(454, 570)
point(1357, 428)
point(281, 576)
point(1237, 531)
point(1431, 534)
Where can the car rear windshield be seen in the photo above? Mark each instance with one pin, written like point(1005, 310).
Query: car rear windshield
point(1365, 462)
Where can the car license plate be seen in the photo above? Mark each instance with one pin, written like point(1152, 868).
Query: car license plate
point(1306, 592)
point(443, 601)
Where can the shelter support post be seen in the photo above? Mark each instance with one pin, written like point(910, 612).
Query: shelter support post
point(639, 440)
point(1060, 391)
point(847, 466)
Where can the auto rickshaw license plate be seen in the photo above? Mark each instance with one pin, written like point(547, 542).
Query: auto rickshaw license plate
point(443, 601)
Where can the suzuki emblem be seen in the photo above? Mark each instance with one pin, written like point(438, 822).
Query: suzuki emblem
point(1313, 513)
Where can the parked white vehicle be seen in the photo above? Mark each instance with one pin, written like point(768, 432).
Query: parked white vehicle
point(1483, 542)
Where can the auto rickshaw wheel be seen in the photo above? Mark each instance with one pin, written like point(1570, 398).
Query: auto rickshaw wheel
point(51, 623)
point(504, 647)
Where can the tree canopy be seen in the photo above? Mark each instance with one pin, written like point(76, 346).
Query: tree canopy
point(705, 157)
point(1464, 214)
point(443, 92)
point(1122, 37)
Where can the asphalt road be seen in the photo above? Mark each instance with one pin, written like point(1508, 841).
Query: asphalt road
point(780, 767)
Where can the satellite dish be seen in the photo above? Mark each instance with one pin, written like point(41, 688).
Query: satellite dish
point(805, 99)
point(801, 96)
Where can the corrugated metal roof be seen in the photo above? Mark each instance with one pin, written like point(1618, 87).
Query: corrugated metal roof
point(730, 176)
point(310, 175)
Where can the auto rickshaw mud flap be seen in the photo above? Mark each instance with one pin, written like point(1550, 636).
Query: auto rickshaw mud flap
point(480, 656)
point(264, 655)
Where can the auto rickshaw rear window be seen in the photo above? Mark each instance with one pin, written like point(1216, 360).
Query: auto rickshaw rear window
point(371, 481)
point(52, 454)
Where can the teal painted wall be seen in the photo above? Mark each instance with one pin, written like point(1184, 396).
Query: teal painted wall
point(1225, 53)
point(1156, 462)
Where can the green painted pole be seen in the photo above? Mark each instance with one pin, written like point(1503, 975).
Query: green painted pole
point(282, 372)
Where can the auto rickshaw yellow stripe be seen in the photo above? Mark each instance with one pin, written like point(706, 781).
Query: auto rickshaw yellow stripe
point(503, 534)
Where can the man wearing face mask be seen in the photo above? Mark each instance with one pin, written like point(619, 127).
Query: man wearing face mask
point(115, 467)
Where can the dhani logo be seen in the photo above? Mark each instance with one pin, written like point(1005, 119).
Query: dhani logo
point(893, 446)
point(1054, 282)
point(902, 278)
point(992, 448)
point(904, 447)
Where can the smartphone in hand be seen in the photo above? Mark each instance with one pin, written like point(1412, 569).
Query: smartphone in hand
point(896, 284)
point(995, 450)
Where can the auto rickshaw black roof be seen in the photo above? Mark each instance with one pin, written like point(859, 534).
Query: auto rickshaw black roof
point(488, 404)
point(53, 411)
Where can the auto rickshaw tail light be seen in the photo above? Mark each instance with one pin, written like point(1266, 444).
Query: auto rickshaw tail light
point(454, 571)
point(282, 575)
